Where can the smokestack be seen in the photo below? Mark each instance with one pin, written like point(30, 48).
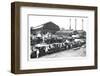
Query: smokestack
point(82, 23)
point(75, 24)
point(70, 24)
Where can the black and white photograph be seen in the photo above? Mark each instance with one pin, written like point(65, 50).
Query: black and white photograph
point(53, 37)
point(57, 36)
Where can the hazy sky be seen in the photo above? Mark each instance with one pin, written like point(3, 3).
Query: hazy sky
point(62, 22)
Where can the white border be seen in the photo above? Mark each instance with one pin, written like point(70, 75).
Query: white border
point(61, 62)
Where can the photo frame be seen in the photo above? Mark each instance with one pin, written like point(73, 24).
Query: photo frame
point(52, 37)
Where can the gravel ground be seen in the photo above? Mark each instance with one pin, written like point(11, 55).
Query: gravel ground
point(81, 52)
